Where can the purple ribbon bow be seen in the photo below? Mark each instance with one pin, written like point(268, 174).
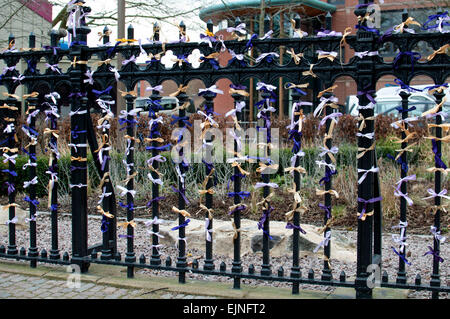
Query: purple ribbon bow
point(404, 165)
point(105, 91)
point(414, 57)
point(183, 119)
point(368, 94)
point(435, 254)
point(33, 202)
point(104, 226)
point(182, 194)
point(130, 206)
point(401, 256)
point(249, 44)
point(181, 225)
point(406, 87)
point(238, 208)
point(292, 226)
point(437, 156)
point(366, 202)
point(327, 209)
point(328, 174)
point(13, 173)
point(242, 195)
point(11, 188)
point(156, 199)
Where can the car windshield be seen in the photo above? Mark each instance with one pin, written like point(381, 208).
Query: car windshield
point(390, 107)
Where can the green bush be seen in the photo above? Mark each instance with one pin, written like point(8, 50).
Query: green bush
point(196, 173)
point(64, 164)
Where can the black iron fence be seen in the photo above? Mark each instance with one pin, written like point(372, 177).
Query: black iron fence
point(311, 60)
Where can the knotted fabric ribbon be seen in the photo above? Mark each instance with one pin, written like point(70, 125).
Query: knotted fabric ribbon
point(320, 192)
point(181, 212)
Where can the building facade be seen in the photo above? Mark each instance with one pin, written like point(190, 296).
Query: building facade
point(312, 13)
point(20, 18)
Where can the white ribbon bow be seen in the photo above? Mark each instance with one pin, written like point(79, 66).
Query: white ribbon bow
point(332, 53)
point(77, 185)
point(239, 57)
point(124, 191)
point(238, 108)
point(268, 87)
point(19, 78)
point(323, 163)
point(369, 106)
point(240, 28)
point(157, 158)
point(333, 150)
point(100, 153)
point(237, 139)
point(11, 158)
point(53, 67)
point(134, 112)
point(330, 34)
point(77, 112)
point(10, 128)
point(132, 59)
point(154, 221)
point(116, 73)
point(12, 221)
point(207, 117)
point(366, 53)
point(323, 102)
point(103, 195)
point(212, 89)
point(158, 88)
point(366, 171)
point(157, 248)
point(150, 232)
point(324, 242)
point(29, 164)
point(31, 115)
point(90, 78)
point(155, 181)
point(272, 185)
point(264, 55)
point(53, 111)
point(369, 136)
point(142, 51)
point(437, 234)
point(433, 194)
point(104, 105)
point(53, 96)
point(407, 121)
point(32, 182)
point(208, 231)
point(268, 35)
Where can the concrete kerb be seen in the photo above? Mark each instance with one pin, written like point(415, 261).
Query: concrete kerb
point(116, 277)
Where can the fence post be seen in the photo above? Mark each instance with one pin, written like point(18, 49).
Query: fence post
point(365, 41)
point(435, 276)
point(79, 136)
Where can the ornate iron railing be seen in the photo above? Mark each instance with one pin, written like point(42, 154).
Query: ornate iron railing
point(313, 61)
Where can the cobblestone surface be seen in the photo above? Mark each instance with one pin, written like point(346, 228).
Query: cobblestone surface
point(15, 286)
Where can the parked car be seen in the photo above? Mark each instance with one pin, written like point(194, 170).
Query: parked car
point(168, 104)
point(388, 100)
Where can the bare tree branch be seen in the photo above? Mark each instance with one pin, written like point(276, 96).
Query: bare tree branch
point(14, 13)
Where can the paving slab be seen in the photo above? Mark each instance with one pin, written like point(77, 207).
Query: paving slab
point(111, 282)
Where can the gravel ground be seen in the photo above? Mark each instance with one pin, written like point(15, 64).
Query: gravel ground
point(417, 245)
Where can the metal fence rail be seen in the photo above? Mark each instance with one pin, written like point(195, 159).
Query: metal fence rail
point(306, 67)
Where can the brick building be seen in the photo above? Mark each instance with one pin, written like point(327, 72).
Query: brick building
point(313, 14)
point(20, 18)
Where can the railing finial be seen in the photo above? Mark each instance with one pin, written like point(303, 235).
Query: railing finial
point(130, 32)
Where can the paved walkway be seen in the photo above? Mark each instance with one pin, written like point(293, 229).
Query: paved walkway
point(17, 286)
point(19, 281)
